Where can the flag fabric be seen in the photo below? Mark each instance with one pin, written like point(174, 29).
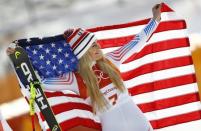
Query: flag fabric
point(4, 125)
point(50, 56)
point(160, 77)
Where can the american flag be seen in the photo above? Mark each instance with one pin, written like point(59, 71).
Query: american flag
point(50, 56)
point(160, 77)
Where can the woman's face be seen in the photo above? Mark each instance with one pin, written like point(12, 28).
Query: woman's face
point(95, 52)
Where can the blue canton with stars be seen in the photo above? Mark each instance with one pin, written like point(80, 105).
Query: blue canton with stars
point(50, 56)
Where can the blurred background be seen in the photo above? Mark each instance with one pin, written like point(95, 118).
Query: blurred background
point(32, 18)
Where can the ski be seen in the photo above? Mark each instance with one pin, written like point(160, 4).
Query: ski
point(26, 74)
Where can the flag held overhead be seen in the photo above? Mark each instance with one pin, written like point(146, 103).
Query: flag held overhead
point(160, 76)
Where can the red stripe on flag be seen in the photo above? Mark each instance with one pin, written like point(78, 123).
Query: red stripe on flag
point(54, 94)
point(163, 26)
point(169, 102)
point(70, 106)
point(119, 26)
point(171, 25)
point(165, 8)
point(178, 119)
point(163, 84)
point(159, 46)
point(64, 107)
point(157, 66)
point(114, 42)
point(79, 122)
point(1, 126)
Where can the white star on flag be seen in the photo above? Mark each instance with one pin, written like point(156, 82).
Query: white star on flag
point(60, 50)
point(48, 62)
point(41, 57)
point(60, 61)
point(54, 56)
point(34, 52)
point(54, 67)
point(40, 46)
point(47, 51)
point(66, 55)
point(53, 45)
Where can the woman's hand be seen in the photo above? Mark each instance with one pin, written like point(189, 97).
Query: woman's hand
point(156, 10)
point(11, 49)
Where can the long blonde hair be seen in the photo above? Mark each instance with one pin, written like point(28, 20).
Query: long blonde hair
point(97, 99)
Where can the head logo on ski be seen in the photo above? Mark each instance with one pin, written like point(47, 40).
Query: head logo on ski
point(17, 53)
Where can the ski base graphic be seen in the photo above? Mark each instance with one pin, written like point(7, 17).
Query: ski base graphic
point(27, 76)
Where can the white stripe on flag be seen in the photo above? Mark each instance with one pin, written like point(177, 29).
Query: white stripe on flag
point(154, 57)
point(161, 36)
point(170, 92)
point(177, 110)
point(63, 99)
point(159, 75)
point(183, 127)
point(73, 114)
point(167, 35)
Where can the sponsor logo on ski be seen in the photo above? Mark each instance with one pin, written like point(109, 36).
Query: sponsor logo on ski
point(55, 128)
point(39, 97)
point(26, 72)
point(17, 53)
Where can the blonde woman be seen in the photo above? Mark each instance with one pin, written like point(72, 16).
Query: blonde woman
point(98, 78)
